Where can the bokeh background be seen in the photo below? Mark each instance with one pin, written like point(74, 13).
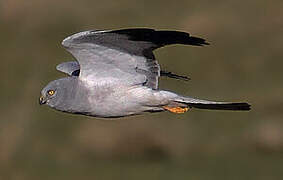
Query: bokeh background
point(243, 63)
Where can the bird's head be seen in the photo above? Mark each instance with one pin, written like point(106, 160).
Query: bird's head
point(54, 93)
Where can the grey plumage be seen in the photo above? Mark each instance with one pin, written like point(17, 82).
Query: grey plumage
point(116, 74)
point(69, 67)
point(72, 68)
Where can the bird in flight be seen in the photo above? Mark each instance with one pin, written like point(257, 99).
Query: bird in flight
point(116, 74)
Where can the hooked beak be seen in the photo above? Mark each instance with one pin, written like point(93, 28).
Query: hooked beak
point(42, 100)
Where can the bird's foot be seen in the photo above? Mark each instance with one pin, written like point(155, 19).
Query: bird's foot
point(177, 110)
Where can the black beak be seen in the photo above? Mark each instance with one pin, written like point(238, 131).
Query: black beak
point(42, 100)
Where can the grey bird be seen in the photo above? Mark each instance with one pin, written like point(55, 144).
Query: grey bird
point(116, 74)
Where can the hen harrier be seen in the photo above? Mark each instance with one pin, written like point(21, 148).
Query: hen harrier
point(116, 75)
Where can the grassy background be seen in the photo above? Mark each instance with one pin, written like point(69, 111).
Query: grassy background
point(243, 62)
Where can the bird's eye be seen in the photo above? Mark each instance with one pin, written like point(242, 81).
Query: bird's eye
point(51, 92)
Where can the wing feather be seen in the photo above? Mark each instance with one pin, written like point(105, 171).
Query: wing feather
point(126, 53)
point(72, 68)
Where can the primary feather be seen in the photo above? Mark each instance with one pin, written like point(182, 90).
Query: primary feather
point(128, 51)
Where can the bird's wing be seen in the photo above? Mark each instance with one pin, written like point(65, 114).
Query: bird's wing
point(71, 68)
point(123, 55)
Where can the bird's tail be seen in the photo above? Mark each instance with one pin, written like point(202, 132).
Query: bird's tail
point(213, 105)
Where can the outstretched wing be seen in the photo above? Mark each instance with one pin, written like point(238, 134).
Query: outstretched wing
point(72, 68)
point(123, 56)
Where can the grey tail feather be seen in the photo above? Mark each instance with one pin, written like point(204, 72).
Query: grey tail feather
point(226, 106)
point(213, 105)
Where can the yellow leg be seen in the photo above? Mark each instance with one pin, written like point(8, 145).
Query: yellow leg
point(177, 110)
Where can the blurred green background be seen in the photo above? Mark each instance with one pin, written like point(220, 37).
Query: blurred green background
point(243, 63)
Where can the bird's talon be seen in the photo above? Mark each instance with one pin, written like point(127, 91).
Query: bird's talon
point(177, 110)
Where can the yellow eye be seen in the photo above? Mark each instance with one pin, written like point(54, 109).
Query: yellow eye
point(51, 92)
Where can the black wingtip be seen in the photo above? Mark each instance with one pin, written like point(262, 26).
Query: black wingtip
point(178, 37)
point(161, 37)
point(198, 41)
point(175, 76)
point(76, 72)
